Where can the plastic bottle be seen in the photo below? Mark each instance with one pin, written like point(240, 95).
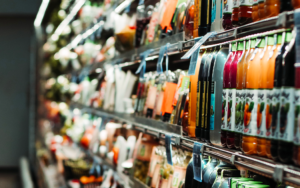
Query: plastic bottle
point(231, 126)
point(262, 127)
point(217, 170)
point(245, 12)
point(239, 95)
point(208, 111)
point(207, 172)
point(287, 105)
point(233, 181)
point(296, 4)
point(216, 97)
point(269, 86)
point(193, 98)
point(227, 12)
point(203, 92)
point(255, 11)
point(249, 142)
point(261, 9)
point(240, 184)
point(216, 15)
point(200, 89)
point(296, 152)
point(276, 92)
point(189, 20)
point(224, 108)
point(205, 17)
point(235, 13)
point(272, 8)
point(226, 174)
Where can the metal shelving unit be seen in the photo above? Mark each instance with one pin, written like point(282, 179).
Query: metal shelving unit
point(288, 174)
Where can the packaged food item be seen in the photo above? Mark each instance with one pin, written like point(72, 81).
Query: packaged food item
point(156, 158)
point(216, 97)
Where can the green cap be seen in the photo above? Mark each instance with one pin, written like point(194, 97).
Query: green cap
point(233, 46)
point(241, 183)
point(256, 186)
point(253, 41)
point(247, 45)
point(234, 180)
point(288, 36)
point(262, 42)
point(279, 38)
point(270, 40)
point(240, 45)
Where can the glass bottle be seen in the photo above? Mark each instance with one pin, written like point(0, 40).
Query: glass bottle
point(235, 13)
point(255, 11)
point(227, 12)
point(272, 8)
point(245, 12)
point(261, 9)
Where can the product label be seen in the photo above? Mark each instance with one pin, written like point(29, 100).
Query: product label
point(246, 2)
point(297, 118)
point(198, 103)
point(227, 7)
point(207, 111)
point(224, 109)
point(175, 179)
point(236, 3)
point(275, 113)
point(268, 112)
point(250, 113)
point(212, 106)
point(239, 110)
point(261, 114)
point(255, 2)
point(203, 104)
point(287, 114)
point(231, 110)
point(213, 10)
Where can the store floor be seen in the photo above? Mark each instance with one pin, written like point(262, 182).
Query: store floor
point(10, 179)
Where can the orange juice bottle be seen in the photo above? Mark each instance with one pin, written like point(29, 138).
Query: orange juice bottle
point(262, 127)
point(191, 128)
point(249, 141)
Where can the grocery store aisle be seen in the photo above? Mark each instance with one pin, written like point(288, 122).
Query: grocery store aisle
point(10, 179)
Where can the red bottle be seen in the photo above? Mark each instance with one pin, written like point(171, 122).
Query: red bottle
point(245, 12)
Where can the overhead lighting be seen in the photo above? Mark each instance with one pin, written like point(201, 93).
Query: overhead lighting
point(68, 19)
point(40, 15)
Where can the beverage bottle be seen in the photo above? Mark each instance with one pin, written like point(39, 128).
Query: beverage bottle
point(226, 174)
point(234, 180)
point(257, 186)
point(235, 13)
point(204, 16)
point(222, 165)
point(202, 93)
point(208, 110)
point(227, 12)
point(255, 11)
point(296, 4)
point(225, 107)
point(193, 98)
point(185, 119)
point(216, 15)
point(261, 9)
point(272, 8)
point(245, 12)
point(276, 44)
point(216, 97)
point(287, 105)
point(200, 89)
point(231, 126)
point(240, 184)
point(239, 95)
point(276, 92)
point(249, 139)
point(208, 170)
point(285, 5)
point(296, 152)
point(189, 20)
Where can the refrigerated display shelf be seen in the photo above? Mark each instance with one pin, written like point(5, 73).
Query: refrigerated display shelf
point(287, 174)
point(179, 45)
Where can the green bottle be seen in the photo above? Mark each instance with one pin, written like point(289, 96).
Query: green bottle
point(256, 186)
point(241, 183)
point(233, 181)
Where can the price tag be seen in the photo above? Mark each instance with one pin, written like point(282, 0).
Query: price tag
point(197, 158)
point(297, 29)
point(162, 52)
point(142, 67)
point(193, 62)
point(169, 148)
point(198, 45)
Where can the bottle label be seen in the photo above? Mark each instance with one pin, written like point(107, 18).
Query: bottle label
point(269, 96)
point(231, 110)
point(261, 114)
point(275, 113)
point(297, 118)
point(250, 113)
point(227, 7)
point(239, 110)
point(213, 11)
point(212, 106)
point(203, 104)
point(246, 2)
point(287, 114)
point(224, 109)
point(236, 3)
